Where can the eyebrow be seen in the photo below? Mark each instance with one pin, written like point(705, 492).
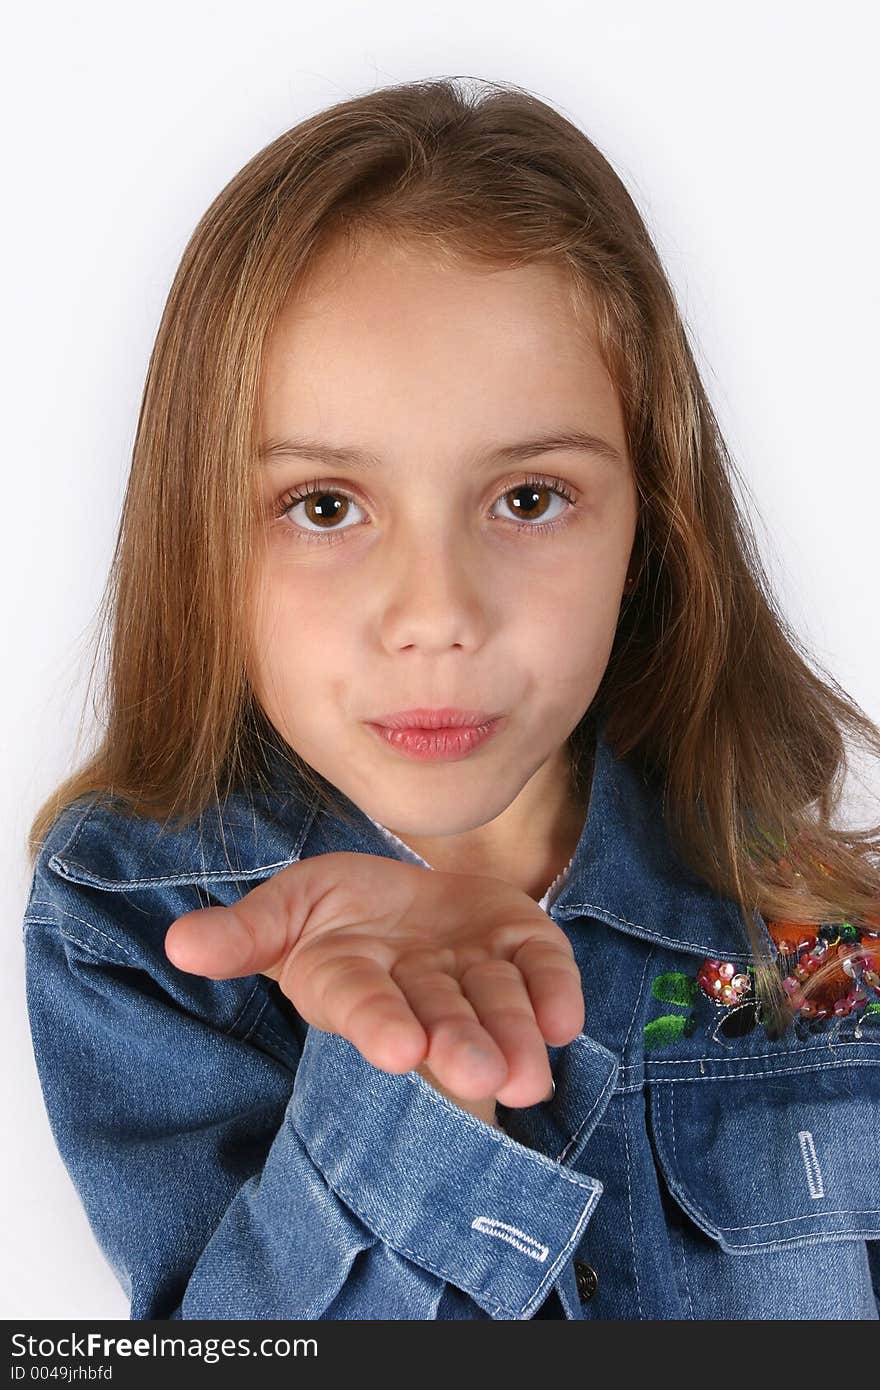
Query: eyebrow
point(572, 440)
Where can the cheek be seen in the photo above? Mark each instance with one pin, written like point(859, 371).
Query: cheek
point(295, 636)
point(565, 624)
point(298, 600)
point(572, 593)
point(569, 649)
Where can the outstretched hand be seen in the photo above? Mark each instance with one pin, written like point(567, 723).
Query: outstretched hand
point(461, 974)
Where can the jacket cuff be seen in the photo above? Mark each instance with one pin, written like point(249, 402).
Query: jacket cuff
point(460, 1197)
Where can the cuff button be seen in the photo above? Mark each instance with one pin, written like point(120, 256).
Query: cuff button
point(587, 1280)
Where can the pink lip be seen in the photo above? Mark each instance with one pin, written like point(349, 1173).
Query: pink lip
point(445, 718)
point(446, 744)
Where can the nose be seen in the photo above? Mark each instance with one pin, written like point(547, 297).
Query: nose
point(436, 594)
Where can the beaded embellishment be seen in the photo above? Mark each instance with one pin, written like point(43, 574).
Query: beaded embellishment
point(852, 992)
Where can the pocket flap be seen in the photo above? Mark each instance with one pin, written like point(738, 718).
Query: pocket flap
point(774, 1159)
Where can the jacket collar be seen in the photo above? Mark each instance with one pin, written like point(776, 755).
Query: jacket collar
point(624, 871)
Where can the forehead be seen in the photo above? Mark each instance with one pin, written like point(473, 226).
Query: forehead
point(397, 331)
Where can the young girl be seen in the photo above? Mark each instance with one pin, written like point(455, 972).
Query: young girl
point(452, 922)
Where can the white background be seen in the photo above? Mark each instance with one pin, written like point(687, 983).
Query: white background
point(747, 134)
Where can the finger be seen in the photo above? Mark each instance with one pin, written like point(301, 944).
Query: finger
point(222, 942)
point(252, 935)
point(553, 980)
point(497, 993)
point(461, 1054)
point(357, 998)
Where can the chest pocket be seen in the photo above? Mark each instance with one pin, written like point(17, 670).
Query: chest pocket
point(773, 1159)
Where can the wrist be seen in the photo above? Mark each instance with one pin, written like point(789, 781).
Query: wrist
point(481, 1109)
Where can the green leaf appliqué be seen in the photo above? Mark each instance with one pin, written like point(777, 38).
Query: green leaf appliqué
point(675, 988)
point(660, 1032)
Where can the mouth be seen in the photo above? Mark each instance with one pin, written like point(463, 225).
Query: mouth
point(446, 718)
point(445, 743)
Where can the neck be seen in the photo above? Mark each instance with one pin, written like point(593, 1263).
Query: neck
point(529, 861)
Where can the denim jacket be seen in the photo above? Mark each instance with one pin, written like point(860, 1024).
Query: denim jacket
point(236, 1162)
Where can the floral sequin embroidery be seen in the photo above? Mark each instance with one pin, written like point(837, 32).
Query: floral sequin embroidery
point(851, 992)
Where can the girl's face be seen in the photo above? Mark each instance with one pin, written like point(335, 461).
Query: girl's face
point(436, 574)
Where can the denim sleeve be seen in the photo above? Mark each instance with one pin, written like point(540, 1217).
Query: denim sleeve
point(221, 1184)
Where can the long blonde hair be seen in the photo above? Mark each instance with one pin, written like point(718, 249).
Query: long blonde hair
point(706, 684)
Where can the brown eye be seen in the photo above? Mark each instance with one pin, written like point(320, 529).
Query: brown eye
point(324, 507)
point(530, 501)
point(527, 500)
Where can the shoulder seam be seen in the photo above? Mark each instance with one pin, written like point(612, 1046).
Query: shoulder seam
point(91, 806)
point(74, 937)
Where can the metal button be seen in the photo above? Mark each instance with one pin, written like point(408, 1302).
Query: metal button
point(587, 1280)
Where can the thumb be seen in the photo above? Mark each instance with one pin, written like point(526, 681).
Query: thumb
point(254, 934)
point(219, 943)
